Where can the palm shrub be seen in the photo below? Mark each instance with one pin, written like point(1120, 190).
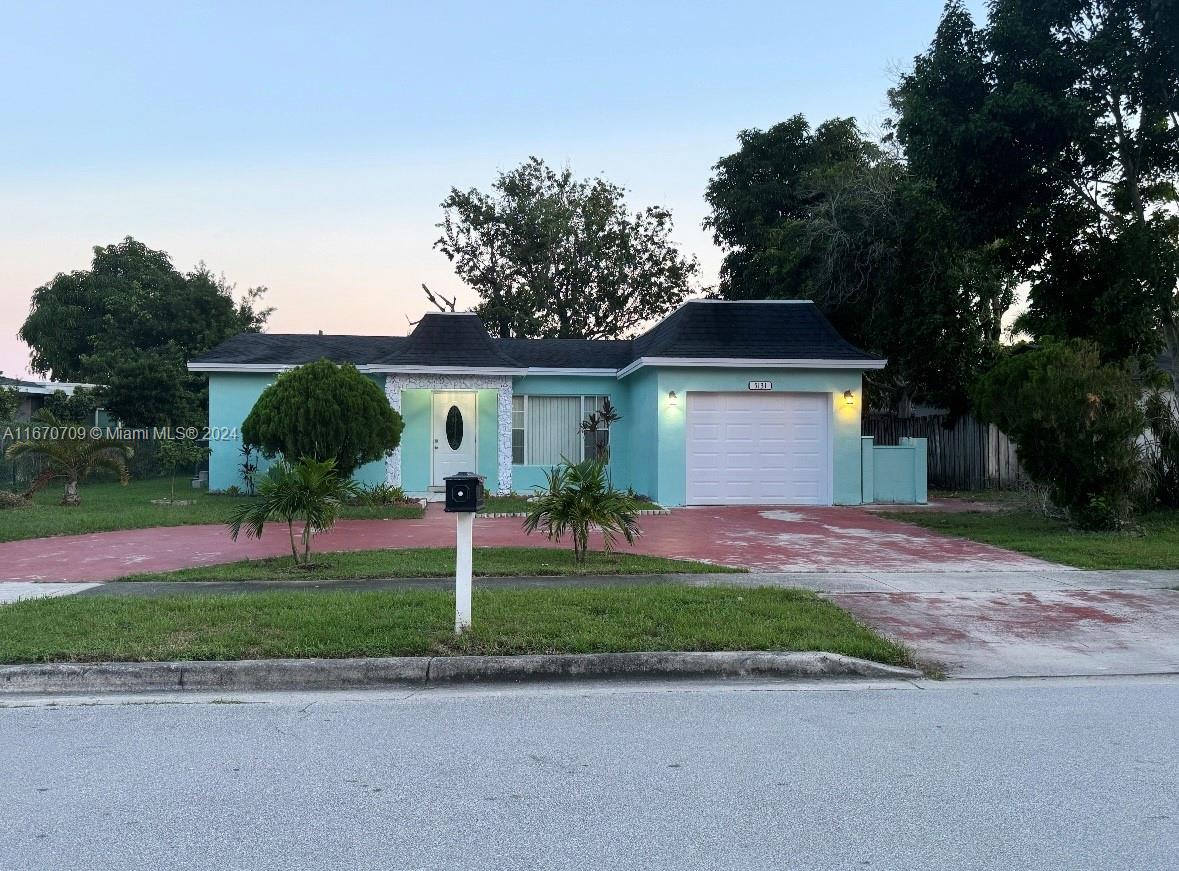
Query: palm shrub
point(1076, 423)
point(310, 490)
point(69, 452)
point(578, 497)
point(1163, 447)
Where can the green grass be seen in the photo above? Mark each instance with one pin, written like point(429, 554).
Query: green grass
point(519, 504)
point(513, 504)
point(108, 506)
point(435, 562)
point(996, 496)
point(1157, 547)
point(301, 624)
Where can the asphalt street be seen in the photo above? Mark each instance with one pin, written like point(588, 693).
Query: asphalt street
point(1027, 774)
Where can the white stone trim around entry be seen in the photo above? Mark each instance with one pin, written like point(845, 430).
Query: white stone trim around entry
point(395, 383)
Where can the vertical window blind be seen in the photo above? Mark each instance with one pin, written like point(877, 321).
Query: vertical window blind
point(547, 429)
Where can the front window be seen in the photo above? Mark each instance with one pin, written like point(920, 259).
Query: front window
point(549, 429)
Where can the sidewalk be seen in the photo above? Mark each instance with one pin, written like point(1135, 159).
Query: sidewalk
point(835, 583)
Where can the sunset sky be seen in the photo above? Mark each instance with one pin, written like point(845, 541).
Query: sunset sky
point(306, 146)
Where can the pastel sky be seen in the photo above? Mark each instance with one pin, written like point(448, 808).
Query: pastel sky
point(306, 146)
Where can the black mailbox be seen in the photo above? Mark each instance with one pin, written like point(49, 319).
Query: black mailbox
point(464, 492)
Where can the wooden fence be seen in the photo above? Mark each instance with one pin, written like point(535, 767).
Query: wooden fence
point(964, 455)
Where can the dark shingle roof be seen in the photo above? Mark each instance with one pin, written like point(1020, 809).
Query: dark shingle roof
point(570, 353)
point(793, 330)
point(698, 329)
point(290, 349)
point(449, 339)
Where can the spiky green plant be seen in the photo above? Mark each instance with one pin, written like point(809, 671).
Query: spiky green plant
point(579, 497)
point(309, 490)
point(68, 451)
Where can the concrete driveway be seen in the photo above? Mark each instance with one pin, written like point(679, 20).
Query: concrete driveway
point(1011, 624)
point(760, 539)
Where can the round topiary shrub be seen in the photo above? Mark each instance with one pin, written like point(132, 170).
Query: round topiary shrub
point(324, 411)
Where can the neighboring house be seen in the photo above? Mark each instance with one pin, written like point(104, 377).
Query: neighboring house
point(721, 403)
point(33, 395)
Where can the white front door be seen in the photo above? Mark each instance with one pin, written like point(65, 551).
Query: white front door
point(454, 426)
point(758, 449)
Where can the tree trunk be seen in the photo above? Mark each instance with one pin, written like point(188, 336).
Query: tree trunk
point(306, 543)
point(71, 497)
point(291, 533)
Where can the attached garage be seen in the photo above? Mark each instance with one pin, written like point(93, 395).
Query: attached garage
point(758, 448)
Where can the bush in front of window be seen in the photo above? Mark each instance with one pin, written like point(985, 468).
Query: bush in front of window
point(325, 412)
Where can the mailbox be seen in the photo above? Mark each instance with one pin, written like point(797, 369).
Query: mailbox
point(464, 492)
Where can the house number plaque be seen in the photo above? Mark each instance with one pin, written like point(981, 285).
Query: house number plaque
point(761, 385)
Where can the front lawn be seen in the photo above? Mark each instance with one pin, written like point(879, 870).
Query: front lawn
point(435, 562)
point(339, 624)
point(1032, 533)
point(108, 506)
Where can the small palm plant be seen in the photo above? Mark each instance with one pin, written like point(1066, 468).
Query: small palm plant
point(68, 451)
point(309, 490)
point(579, 496)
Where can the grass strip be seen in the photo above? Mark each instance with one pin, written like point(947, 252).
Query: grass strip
point(416, 623)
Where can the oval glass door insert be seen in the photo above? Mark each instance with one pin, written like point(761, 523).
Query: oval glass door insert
point(454, 427)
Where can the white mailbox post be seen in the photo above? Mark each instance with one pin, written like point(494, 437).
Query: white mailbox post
point(464, 496)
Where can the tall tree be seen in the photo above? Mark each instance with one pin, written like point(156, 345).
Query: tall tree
point(831, 216)
point(9, 401)
point(762, 195)
point(129, 323)
point(1056, 126)
point(555, 256)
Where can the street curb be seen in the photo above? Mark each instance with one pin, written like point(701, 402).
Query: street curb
point(323, 674)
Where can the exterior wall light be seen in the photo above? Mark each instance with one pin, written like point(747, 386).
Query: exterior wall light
point(672, 400)
point(849, 397)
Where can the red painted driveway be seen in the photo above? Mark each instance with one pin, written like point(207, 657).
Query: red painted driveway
point(761, 539)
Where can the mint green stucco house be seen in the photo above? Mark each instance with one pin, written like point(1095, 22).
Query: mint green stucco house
point(720, 403)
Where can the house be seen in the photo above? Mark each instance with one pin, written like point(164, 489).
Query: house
point(33, 395)
point(720, 403)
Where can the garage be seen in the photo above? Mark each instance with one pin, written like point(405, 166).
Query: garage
point(758, 448)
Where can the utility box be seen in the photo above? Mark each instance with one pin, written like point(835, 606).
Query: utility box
point(464, 492)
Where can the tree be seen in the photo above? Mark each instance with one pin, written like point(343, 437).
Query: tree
point(830, 216)
point(762, 193)
point(69, 452)
point(309, 490)
point(9, 401)
point(130, 323)
point(175, 454)
point(1076, 422)
point(77, 407)
point(552, 256)
point(1056, 126)
point(579, 496)
point(324, 411)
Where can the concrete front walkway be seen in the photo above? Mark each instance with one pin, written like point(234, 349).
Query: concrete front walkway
point(761, 539)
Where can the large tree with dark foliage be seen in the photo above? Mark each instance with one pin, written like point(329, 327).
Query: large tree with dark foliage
point(829, 215)
point(1055, 127)
point(129, 323)
point(555, 256)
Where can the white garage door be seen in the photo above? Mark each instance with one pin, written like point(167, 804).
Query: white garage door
point(759, 449)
